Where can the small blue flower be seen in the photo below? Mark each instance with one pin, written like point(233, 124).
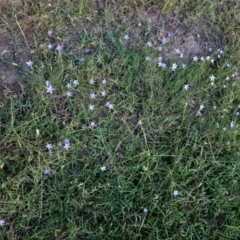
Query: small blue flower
point(66, 141)
point(164, 40)
point(174, 67)
point(75, 82)
point(92, 82)
point(109, 105)
point(91, 107)
point(50, 89)
point(149, 44)
point(93, 124)
point(162, 64)
point(69, 93)
point(2, 222)
point(46, 171)
point(50, 32)
point(103, 168)
point(201, 107)
point(93, 95)
point(66, 146)
point(59, 47)
point(49, 146)
point(69, 86)
point(177, 51)
point(160, 48)
point(29, 63)
point(145, 210)
point(212, 78)
point(195, 58)
point(103, 93)
point(49, 46)
point(175, 193)
point(147, 58)
point(126, 37)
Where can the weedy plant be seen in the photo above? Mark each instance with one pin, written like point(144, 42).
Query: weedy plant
point(118, 131)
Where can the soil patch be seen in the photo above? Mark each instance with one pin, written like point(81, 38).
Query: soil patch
point(13, 57)
point(15, 3)
point(192, 35)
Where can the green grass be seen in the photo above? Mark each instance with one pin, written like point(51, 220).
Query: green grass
point(152, 142)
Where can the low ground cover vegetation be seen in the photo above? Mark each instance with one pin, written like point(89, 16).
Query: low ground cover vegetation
point(119, 120)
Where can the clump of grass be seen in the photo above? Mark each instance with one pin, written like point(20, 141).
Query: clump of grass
point(105, 141)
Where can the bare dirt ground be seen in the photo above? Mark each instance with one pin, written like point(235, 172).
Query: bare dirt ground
point(8, 73)
point(14, 52)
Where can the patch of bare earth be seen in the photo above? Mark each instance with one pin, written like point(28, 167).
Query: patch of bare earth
point(15, 3)
point(14, 53)
point(190, 34)
point(8, 73)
